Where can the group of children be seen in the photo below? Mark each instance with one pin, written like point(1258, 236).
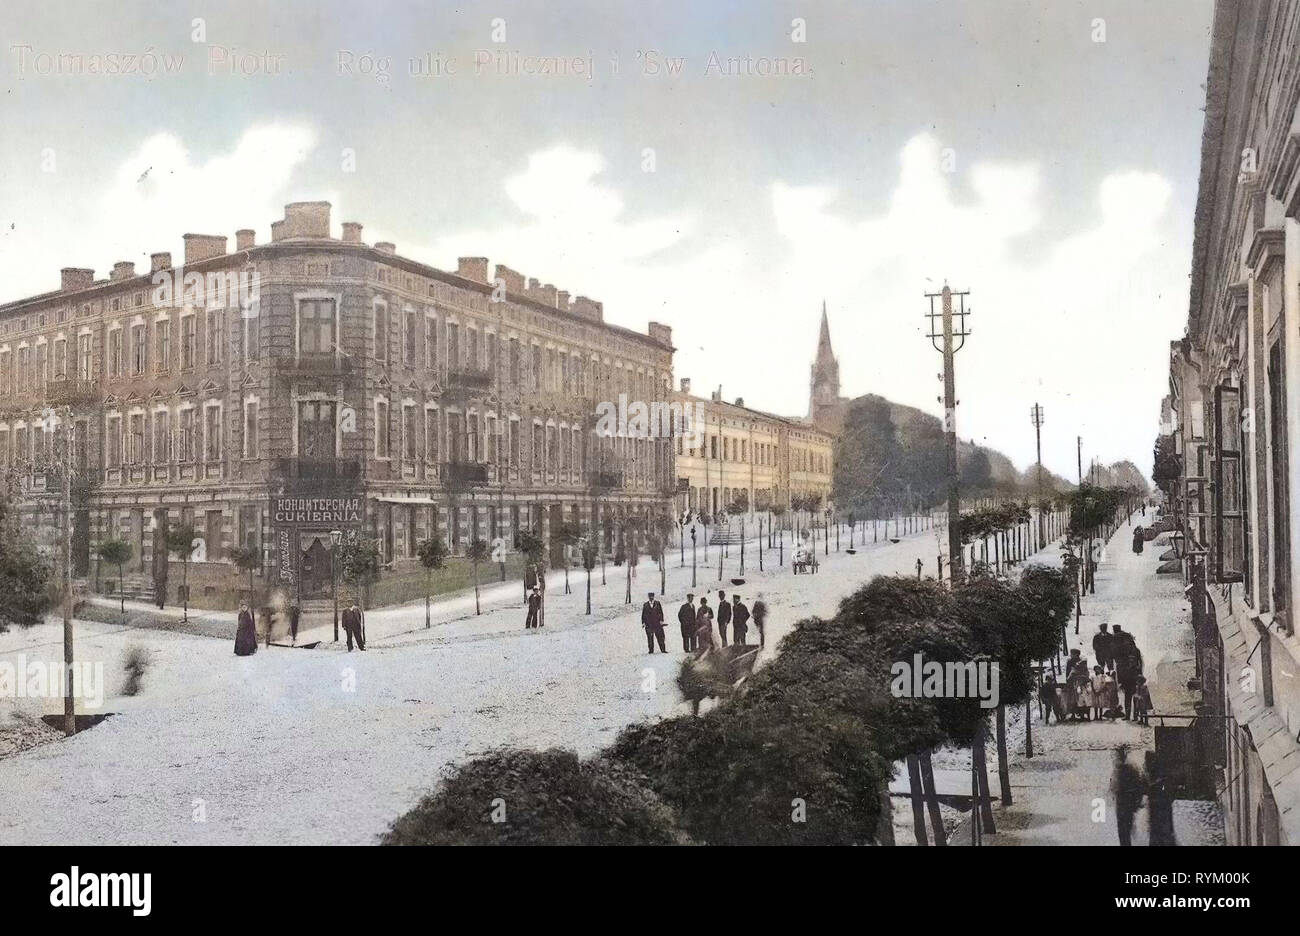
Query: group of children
point(1091, 696)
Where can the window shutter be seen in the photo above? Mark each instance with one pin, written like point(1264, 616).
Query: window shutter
point(1228, 513)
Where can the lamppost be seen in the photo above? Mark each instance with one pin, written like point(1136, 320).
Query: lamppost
point(692, 555)
point(336, 537)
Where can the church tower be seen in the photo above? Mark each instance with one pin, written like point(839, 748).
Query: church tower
point(824, 390)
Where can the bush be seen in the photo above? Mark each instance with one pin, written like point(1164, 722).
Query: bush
point(135, 663)
point(548, 798)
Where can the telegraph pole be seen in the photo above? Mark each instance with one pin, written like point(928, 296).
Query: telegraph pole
point(1080, 457)
point(1036, 416)
point(948, 333)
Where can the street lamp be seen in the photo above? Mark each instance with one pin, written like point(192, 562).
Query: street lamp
point(692, 555)
point(336, 537)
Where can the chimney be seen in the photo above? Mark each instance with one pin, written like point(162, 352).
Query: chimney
point(686, 385)
point(589, 309)
point(244, 238)
point(386, 247)
point(661, 333)
point(307, 219)
point(160, 261)
point(514, 282)
point(740, 401)
point(472, 268)
point(546, 295)
point(277, 230)
point(203, 247)
point(717, 394)
point(351, 232)
point(562, 300)
point(76, 278)
point(123, 269)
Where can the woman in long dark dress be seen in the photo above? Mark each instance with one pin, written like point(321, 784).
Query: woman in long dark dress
point(246, 633)
point(1139, 538)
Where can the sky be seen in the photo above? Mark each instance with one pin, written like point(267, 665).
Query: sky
point(723, 168)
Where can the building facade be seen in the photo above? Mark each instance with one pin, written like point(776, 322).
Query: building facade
point(742, 459)
point(1232, 418)
point(330, 385)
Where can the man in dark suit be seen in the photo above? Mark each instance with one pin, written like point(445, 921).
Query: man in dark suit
point(686, 618)
point(534, 606)
point(724, 616)
point(354, 626)
point(739, 620)
point(652, 619)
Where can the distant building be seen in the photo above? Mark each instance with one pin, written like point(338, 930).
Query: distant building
point(826, 407)
point(1233, 412)
point(744, 455)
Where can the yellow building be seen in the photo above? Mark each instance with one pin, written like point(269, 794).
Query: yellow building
point(731, 455)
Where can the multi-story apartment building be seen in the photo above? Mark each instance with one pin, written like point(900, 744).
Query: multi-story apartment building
point(745, 456)
point(332, 385)
point(1232, 417)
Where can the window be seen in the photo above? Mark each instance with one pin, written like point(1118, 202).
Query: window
point(251, 324)
point(431, 342)
point(113, 441)
point(514, 361)
point(161, 437)
point(1277, 445)
point(410, 434)
point(316, 326)
point(41, 365)
point(212, 434)
point(115, 353)
point(188, 332)
point(60, 359)
point(212, 537)
point(6, 372)
point(162, 330)
point(513, 450)
point(455, 438)
point(316, 429)
point(472, 348)
point(138, 350)
point(537, 367)
point(216, 335)
point(24, 368)
point(410, 338)
point(250, 429)
point(135, 439)
point(381, 429)
point(250, 522)
point(431, 435)
point(381, 332)
point(453, 346)
point(188, 448)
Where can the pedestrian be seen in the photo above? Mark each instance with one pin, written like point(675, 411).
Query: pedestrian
point(1079, 692)
point(652, 619)
point(1128, 666)
point(1160, 805)
point(1139, 538)
point(739, 621)
point(760, 619)
point(686, 621)
point(245, 632)
point(1102, 642)
point(1141, 700)
point(1073, 661)
point(1051, 700)
point(704, 641)
point(1126, 785)
point(354, 626)
point(724, 616)
point(1098, 681)
point(295, 614)
point(534, 606)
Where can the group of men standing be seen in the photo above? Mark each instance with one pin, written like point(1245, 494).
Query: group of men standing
point(1118, 653)
point(696, 623)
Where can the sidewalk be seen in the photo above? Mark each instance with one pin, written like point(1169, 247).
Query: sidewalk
point(1062, 795)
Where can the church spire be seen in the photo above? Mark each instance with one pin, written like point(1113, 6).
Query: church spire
point(824, 387)
point(824, 353)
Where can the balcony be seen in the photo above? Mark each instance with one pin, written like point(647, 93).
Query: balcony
point(311, 472)
point(314, 365)
point(464, 473)
point(606, 480)
point(74, 393)
point(469, 380)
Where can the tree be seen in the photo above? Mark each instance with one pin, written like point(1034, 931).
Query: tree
point(977, 471)
point(247, 559)
point(568, 535)
point(589, 562)
point(360, 562)
point(25, 576)
point(433, 554)
point(1167, 466)
point(866, 450)
point(544, 798)
point(477, 552)
point(534, 549)
point(117, 552)
point(180, 542)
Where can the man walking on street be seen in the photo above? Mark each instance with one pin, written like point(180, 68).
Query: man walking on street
point(353, 624)
point(534, 605)
point(1126, 785)
point(1128, 666)
point(686, 618)
point(652, 619)
point(739, 620)
point(760, 619)
point(724, 616)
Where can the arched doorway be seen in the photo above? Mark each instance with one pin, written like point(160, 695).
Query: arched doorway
point(314, 570)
